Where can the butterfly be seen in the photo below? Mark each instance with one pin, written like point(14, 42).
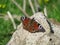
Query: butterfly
point(31, 25)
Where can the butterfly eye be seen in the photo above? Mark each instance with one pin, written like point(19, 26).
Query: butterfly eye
point(40, 27)
point(23, 18)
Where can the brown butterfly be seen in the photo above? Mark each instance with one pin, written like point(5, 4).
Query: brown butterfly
point(31, 25)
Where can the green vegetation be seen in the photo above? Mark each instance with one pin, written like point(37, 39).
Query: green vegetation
point(53, 7)
point(53, 10)
point(9, 6)
point(6, 27)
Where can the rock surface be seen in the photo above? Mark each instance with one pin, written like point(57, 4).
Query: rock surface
point(23, 37)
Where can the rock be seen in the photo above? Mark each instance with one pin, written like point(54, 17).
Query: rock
point(55, 37)
point(23, 37)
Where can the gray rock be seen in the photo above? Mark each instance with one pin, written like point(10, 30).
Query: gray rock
point(23, 37)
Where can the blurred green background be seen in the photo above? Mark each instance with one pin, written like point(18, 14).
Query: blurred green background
point(6, 27)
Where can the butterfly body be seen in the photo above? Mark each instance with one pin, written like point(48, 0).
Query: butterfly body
point(31, 25)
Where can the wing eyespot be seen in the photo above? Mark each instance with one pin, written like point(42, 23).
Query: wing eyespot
point(40, 27)
point(23, 18)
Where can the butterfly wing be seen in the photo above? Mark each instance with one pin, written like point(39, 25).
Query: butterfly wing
point(26, 23)
point(31, 25)
point(41, 29)
point(37, 27)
